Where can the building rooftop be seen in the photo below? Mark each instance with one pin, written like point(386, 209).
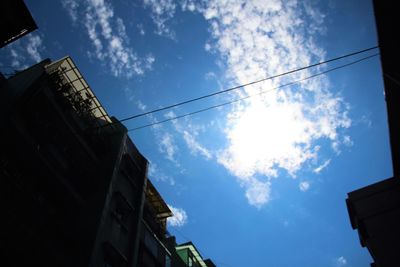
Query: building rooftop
point(77, 90)
point(194, 251)
point(154, 198)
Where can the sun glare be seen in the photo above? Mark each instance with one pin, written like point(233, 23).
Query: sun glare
point(269, 135)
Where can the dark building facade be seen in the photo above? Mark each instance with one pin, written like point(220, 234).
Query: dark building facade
point(74, 188)
point(15, 21)
point(374, 210)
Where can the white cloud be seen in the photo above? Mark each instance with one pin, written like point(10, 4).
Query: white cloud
point(152, 169)
point(129, 93)
point(257, 192)
point(141, 106)
point(179, 219)
point(108, 36)
point(156, 174)
point(141, 29)
point(210, 75)
point(161, 12)
point(189, 133)
point(317, 16)
point(278, 131)
point(336, 147)
point(347, 140)
point(190, 5)
point(322, 166)
point(71, 6)
point(17, 59)
point(168, 147)
point(33, 47)
point(166, 141)
point(365, 119)
point(304, 186)
point(341, 261)
point(195, 146)
point(26, 51)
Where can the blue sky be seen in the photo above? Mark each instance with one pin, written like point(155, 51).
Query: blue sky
point(261, 182)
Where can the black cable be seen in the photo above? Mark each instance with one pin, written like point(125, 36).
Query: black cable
point(246, 84)
point(246, 97)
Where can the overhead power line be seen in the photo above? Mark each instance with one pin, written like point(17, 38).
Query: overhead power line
point(249, 96)
point(246, 84)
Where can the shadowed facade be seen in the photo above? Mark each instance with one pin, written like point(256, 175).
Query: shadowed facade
point(74, 187)
point(374, 210)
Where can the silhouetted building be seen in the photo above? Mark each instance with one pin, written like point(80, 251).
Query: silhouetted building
point(74, 188)
point(15, 21)
point(386, 17)
point(375, 209)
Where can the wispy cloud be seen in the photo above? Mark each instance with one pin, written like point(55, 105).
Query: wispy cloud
point(194, 146)
point(26, 51)
point(141, 29)
point(189, 132)
point(72, 7)
point(168, 147)
point(156, 174)
point(161, 12)
point(179, 219)
point(278, 131)
point(340, 262)
point(129, 93)
point(322, 166)
point(165, 139)
point(257, 192)
point(107, 34)
point(141, 106)
point(34, 46)
point(347, 141)
point(366, 119)
point(304, 186)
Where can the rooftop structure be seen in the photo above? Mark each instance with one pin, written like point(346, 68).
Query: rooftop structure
point(190, 255)
point(15, 21)
point(186, 255)
point(70, 82)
